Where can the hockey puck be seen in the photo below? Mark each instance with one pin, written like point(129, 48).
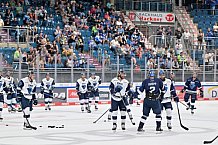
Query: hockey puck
point(105, 120)
point(51, 126)
point(133, 123)
point(40, 126)
point(6, 125)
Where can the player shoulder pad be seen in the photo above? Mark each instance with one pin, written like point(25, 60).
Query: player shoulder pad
point(34, 82)
point(125, 81)
point(168, 80)
point(52, 79)
point(114, 80)
point(97, 77)
point(44, 79)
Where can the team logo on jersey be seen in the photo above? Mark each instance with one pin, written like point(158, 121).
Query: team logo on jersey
point(192, 85)
point(30, 88)
point(48, 86)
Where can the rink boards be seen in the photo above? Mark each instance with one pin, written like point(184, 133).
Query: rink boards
point(68, 91)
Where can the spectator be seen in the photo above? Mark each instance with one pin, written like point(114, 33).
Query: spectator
point(17, 54)
point(169, 34)
point(209, 38)
point(1, 23)
point(178, 34)
point(200, 39)
point(187, 37)
point(175, 64)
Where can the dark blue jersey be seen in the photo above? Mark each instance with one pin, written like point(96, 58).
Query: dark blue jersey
point(192, 85)
point(152, 86)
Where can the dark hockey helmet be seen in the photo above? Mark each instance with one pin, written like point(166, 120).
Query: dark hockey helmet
point(30, 73)
point(93, 74)
point(151, 73)
point(161, 72)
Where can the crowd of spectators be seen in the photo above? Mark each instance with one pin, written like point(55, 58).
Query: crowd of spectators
point(69, 18)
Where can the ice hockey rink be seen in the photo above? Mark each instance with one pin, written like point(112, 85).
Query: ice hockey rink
point(80, 130)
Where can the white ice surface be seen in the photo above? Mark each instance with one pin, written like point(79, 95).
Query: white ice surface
point(80, 130)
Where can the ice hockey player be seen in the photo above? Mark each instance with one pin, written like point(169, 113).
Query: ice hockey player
point(94, 82)
point(153, 88)
point(82, 86)
point(133, 94)
point(2, 86)
point(190, 89)
point(26, 93)
point(119, 86)
point(47, 87)
point(166, 99)
point(10, 90)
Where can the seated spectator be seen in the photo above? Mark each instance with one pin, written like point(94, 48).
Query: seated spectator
point(175, 64)
point(114, 44)
point(57, 32)
point(119, 22)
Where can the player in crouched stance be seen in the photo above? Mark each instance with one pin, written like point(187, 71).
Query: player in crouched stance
point(26, 93)
point(133, 94)
point(119, 86)
point(166, 99)
point(47, 87)
point(190, 88)
point(10, 90)
point(153, 88)
point(94, 82)
point(82, 86)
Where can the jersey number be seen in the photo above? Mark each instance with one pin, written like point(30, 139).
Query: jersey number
point(152, 89)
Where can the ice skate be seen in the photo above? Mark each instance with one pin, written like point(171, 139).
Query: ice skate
point(123, 126)
point(169, 126)
point(114, 128)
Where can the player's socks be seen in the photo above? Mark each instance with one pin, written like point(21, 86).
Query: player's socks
point(138, 104)
point(192, 109)
point(189, 105)
point(49, 107)
point(1, 116)
point(88, 109)
point(123, 126)
point(46, 106)
point(109, 114)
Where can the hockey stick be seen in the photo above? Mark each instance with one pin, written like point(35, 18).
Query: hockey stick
point(187, 107)
point(101, 116)
point(209, 142)
point(133, 123)
point(34, 128)
point(186, 128)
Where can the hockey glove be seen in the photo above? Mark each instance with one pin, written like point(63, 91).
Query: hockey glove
point(183, 90)
point(19, 94)
point(79, 94)
point(35, 102)
point(118, 88)
point(201, 93)
point(18, 99)
point(176, 99)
